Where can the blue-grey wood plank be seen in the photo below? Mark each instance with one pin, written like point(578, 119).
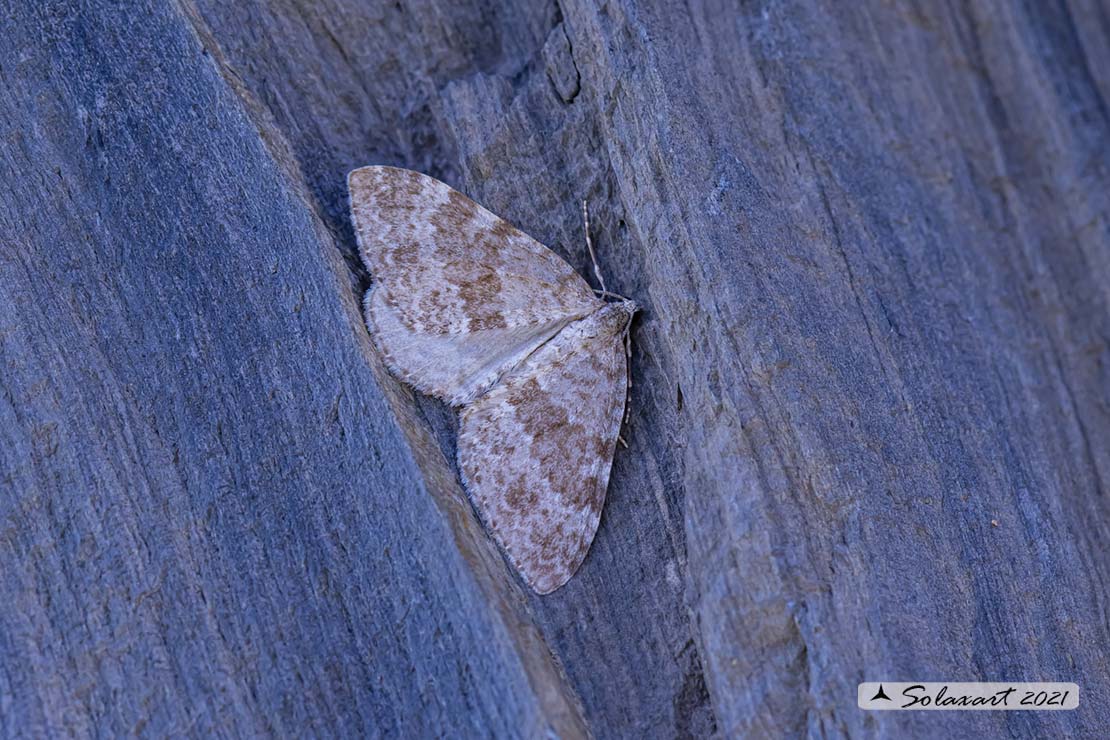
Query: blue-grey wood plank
point(870, 411)
point(211, 522)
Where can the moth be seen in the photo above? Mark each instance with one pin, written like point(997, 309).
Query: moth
point(467, 308)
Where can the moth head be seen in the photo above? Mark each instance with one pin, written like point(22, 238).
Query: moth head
point(615, 317)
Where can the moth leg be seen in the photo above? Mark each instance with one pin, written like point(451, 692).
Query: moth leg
point(627, 380)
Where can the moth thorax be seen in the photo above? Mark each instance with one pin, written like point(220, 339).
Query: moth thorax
point(614, 317)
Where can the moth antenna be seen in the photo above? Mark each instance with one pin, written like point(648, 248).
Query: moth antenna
point(609, 294)
point(590, 246)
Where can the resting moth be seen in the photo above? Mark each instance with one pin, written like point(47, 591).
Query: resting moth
point(466, 307)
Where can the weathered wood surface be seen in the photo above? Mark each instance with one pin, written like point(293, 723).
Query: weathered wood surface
point(871, 413)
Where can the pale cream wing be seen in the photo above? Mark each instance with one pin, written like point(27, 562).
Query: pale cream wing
point(459, 295)
point(536, 450)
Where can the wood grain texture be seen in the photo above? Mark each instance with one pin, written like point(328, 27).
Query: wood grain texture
point(212, 521)
point(870, 419)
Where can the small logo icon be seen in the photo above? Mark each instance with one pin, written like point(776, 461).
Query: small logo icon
point(880, 694)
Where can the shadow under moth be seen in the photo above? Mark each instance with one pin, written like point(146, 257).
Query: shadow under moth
point(467, 308)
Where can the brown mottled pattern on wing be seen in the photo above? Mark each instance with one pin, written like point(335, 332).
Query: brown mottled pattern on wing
point(459, 296)
point(468, 308)
point(536, 450)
